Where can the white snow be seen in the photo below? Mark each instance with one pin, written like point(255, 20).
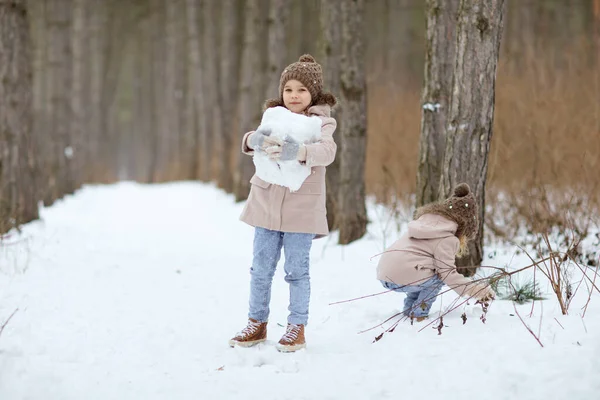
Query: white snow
point(130, 291)
point(285, 124)
point(69, 152)
point(432, 107)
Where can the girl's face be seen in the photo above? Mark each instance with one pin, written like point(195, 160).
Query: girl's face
point(296, 96)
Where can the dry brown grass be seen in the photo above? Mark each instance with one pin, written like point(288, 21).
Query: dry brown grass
point(547, 127)
point(394, 123)
point(546, 131)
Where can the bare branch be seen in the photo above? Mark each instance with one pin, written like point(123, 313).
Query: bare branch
point(7, 321)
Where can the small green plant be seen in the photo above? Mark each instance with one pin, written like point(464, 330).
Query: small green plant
point(521, 293)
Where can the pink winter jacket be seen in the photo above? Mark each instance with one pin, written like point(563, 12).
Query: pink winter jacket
point(274, 207)
point(429, 247)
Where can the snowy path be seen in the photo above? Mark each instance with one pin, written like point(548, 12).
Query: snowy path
point(131, 292)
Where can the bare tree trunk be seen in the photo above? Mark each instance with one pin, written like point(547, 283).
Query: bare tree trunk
point(352, 221)
point(596, 13)
point(173, 88)
point(520, 33)
point(212, 144)
point(98, 15)
point(309, 27)
point(148, 93)
point(184, 143)
point(435, 98)
point(138, 151)
point(294, 42)
point(278, 17)
point(121, 16)
point(18, 200)
point(161, 137)
point(250, 103)
point(596, 51)
point(190, 147)
point(170, 94)
point(471, 114)
point(58, 14)
point(41, 137)
point(231, 49)
point(404, 39)
point(331, 23)
point(196, 99)
point(78, 100)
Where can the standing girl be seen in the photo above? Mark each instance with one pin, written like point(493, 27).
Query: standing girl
point(285, 219)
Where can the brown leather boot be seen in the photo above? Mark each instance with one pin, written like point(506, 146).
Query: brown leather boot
point(254, 333)
point(293, 339)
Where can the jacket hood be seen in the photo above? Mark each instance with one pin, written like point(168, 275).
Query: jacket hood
point(431, 226)
point(321, 110)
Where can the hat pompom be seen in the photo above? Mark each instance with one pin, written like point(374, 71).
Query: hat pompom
point(307, 58)
point(462, 190)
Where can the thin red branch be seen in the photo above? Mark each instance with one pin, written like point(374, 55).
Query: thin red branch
point(591, 291)
point(559, 323)
point(526, 326)
point(7, 321)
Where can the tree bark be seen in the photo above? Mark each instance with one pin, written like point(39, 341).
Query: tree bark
point(41, 138)
point(331, 23)
point(404, 41)
point(196, 99)
point(278, 18)
point(309, 28)
point(212, 144)
point(596, 59)
point(250, 93)
point(161, 140)
point(18, 197)
point(352, 221)
point(231, 52)
point(173, 88)
point(121, 17)
point(59, 15)
point(435, 98)
point(148, 92)
point(78, 98)
point(471, 115)
point(98, 21)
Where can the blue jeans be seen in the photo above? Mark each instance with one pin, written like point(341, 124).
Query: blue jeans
point(267, 252)
point(419, 298)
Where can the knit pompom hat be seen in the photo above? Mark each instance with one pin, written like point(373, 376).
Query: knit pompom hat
point(307, 71)
point(461, 208)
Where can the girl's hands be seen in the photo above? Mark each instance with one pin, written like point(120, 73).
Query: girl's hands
point(286, 150)
point(258, 140)
point(487, 295)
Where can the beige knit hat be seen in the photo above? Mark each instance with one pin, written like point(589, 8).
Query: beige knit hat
point(310, 73)
point(461, 208)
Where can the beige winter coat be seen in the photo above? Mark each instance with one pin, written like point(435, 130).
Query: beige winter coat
point(429, 247)
point(274, 207)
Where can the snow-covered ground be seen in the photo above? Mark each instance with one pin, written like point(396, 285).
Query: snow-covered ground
point(132, 292)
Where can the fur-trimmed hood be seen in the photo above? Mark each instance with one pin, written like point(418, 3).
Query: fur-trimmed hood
point(323, 98)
